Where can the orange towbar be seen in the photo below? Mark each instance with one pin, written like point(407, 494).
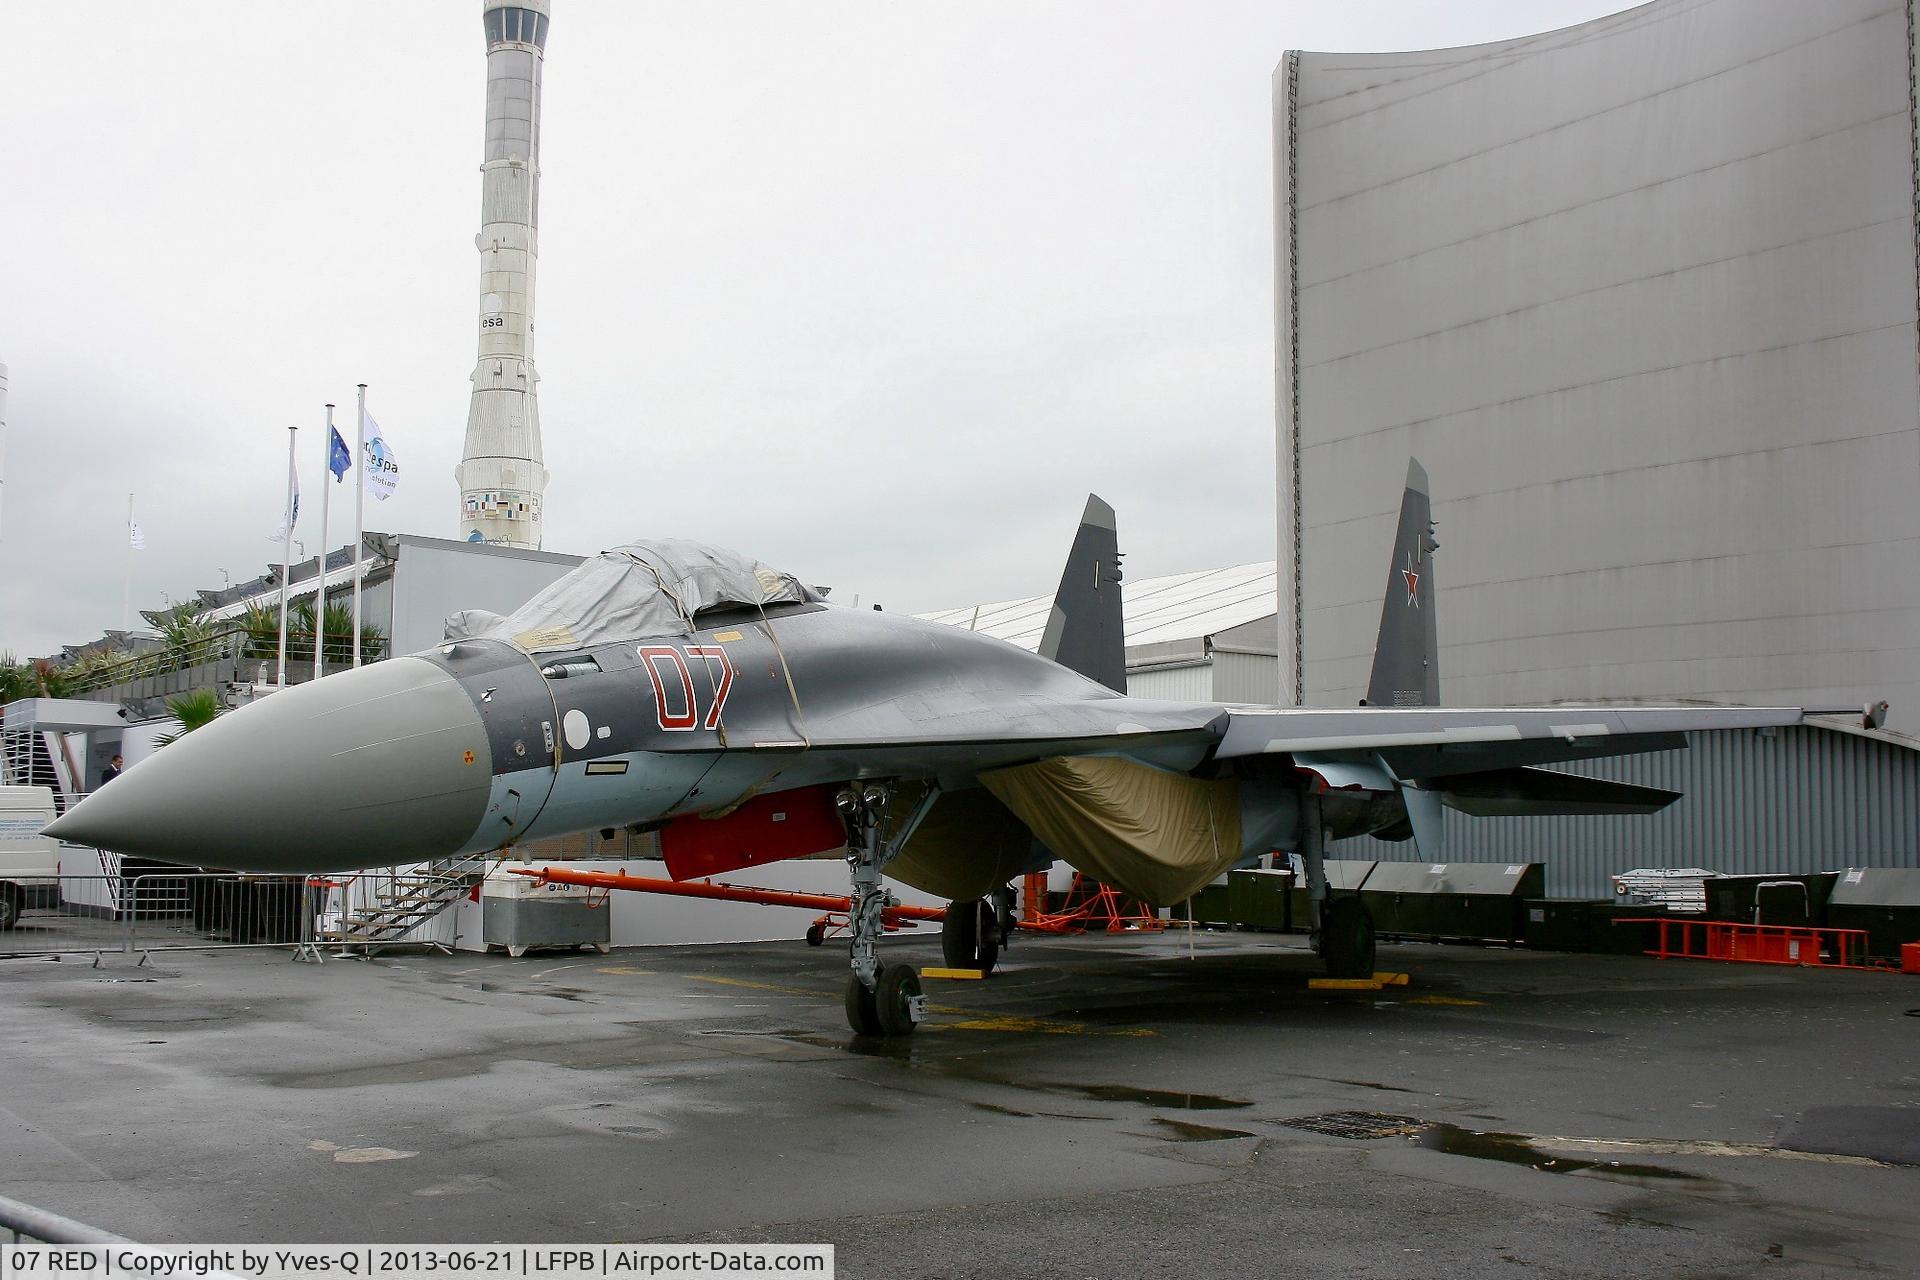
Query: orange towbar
point(893, 917)
point(835, 906)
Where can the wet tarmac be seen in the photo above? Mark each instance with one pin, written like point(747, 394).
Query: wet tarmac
point(1102, 1107)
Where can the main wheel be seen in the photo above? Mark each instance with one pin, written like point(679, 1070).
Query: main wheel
point(9, 905)
point(863, 1014)
point(899, 989)
point(1346, 937)
point(970, 935)
point(960, 934)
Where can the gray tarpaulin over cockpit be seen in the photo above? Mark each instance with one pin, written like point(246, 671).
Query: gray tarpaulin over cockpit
point(632, 592)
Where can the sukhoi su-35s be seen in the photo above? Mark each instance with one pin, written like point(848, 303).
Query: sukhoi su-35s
point(671, 682)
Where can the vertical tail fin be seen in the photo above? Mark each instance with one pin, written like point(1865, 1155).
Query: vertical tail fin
point(1085, 632)
point(1406, 660)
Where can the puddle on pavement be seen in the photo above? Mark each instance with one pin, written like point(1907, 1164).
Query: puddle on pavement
point(1183, 1131)
point(999, 1110)
point(559, 993)
point(918, 1053)
point(1514, 1148)
point(1162, 1099)
point(1369, 1084)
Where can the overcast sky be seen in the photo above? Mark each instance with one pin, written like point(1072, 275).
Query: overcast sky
point(874, 292)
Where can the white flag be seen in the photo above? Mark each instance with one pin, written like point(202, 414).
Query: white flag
point(382, 471)
point(289, 520)
point(136, 536)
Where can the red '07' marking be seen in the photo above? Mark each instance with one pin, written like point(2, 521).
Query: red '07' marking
point(653, 655)
point(720, 680)
point(713, 653)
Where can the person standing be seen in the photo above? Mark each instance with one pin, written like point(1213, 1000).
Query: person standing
point(112, 771)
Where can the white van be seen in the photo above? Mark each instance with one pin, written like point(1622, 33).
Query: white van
point(29, 861)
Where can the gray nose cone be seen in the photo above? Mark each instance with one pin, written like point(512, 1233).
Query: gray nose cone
point(382, 765)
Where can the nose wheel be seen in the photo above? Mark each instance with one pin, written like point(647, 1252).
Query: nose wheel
point(881, 1000)
point(893, 1008)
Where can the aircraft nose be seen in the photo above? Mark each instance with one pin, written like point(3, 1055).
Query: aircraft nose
point(386, 764)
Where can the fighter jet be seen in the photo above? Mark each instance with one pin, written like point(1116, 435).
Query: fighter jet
point(678, 687)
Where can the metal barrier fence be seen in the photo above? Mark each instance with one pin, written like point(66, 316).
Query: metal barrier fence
point(177, 910)
point(26, 1222)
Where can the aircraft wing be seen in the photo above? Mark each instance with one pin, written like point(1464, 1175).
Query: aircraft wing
point(1425, 742)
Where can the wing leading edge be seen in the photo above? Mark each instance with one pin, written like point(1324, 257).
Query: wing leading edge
point(1435, 741)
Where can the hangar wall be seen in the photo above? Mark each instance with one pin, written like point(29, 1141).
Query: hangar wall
point(1800, 800)
point(1641, 295)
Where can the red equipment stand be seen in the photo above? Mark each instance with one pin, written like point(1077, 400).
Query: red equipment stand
point(1756, 943)
point(1089, 903)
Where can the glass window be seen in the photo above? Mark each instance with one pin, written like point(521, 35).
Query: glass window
point(540, 30)
point(493, 26)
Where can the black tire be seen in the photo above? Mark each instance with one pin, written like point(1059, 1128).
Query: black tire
point(863, 1015)
point(970, 935)
point(899, 986)
point(1347, 937)
point(960, 934)
point(816, 934)
point(9, 905)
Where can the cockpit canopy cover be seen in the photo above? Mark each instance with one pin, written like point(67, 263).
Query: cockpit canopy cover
point(634, 591)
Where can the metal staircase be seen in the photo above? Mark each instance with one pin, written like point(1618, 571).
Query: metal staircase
point(384, 908)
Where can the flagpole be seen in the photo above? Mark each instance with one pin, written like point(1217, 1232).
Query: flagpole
point(126, 587)
point(286, 557)
point(320, 600)
point(359, 515)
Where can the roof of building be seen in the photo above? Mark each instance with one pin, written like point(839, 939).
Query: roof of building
point(1179, 606)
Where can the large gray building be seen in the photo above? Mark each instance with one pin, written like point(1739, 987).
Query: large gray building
point(1641, 295)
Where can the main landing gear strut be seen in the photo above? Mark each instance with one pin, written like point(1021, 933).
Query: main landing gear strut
point(882, 1000)
point(1342, 926)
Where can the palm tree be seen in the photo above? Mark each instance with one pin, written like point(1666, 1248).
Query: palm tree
point(193, 711)
point(16, 679)
point(179, 625)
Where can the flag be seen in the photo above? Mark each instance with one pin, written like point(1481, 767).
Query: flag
point(339, 457)
point(288, 521)
point(382, 474)
point(136, 536)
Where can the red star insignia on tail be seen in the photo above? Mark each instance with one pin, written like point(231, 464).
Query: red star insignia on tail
point(1413, 582)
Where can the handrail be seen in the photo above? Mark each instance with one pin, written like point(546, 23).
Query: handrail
point(236, 642)
point(28, 1222)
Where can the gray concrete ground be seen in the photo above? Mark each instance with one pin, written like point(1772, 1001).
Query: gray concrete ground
point(1104, 1107)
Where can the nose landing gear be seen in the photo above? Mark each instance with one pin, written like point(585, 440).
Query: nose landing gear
point(880, 999)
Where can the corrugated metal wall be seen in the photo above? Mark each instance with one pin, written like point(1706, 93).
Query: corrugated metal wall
point(1805, 799)
point(1224, 676)
point(1175, 684)
point(1245, 677)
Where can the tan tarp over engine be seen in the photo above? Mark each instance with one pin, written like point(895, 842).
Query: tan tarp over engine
point(967, 846)
point(1156, 835)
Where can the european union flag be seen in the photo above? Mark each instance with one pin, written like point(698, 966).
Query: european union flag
point(339, 458)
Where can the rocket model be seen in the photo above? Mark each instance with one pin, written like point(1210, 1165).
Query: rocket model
point(503, 481)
